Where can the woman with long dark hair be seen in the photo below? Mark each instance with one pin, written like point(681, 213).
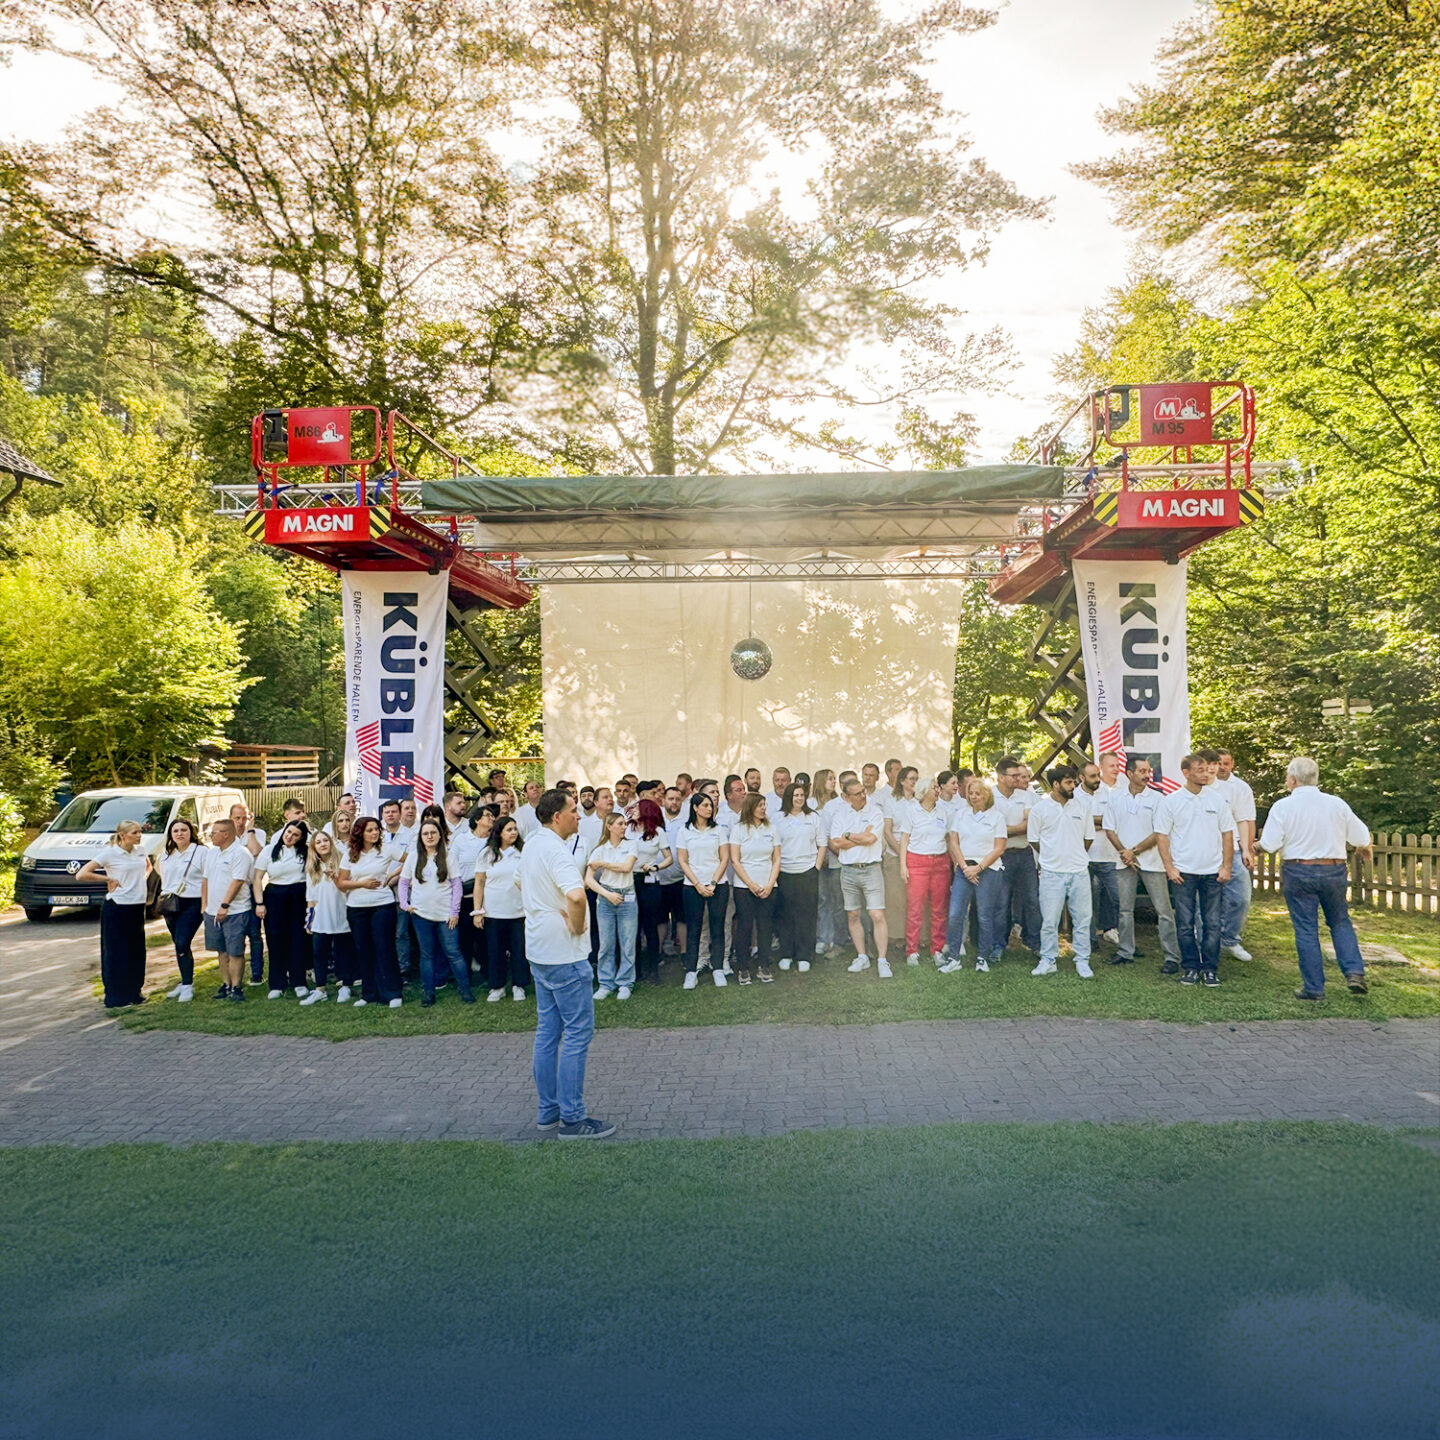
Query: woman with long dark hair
point(652, 854)
point(467, 845)
point(331, 945)
point(802, 853)
point(279, 889)
point(182, 873)
point(704, 858)
point(367, 880)
point(499, 908)
point(431, 894)
point(755, 859)
point(125, 869)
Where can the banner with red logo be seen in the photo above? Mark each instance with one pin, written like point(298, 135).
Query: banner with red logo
point(1133, 644)
point(394, 686)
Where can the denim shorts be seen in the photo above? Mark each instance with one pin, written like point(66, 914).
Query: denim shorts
point(863, 886)
point(227, 936)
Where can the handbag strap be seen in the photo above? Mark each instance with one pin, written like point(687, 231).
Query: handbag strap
point(185, 873)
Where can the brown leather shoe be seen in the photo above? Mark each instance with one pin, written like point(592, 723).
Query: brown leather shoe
point(1308, 995)
point(1357, 984)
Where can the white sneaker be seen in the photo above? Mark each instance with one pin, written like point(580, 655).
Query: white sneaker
point(361, 1003)
point(396, 1003)
point(786, 964)
point(981, 968)
point(1045, 967)
point(937, 958)
point(819, 947)
point(726, 969)
point(342, 996)
point(1083, 970)
point(301, 992)
point(859, 963)
point(175, 993)
point(690, 979)
point(603, 994)
point(274, 994)
point(495, 995)
point(517, 992)
point(185, 992)
point(720, 980)
point(912, 959)
point(314, 997)
point(1238, 952)
point(950, 967)
point(882, 968)
point(623, 993)
point(1112, 935)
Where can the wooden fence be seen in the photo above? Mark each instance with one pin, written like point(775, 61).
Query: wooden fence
point(319, 800)
point(1404, 875)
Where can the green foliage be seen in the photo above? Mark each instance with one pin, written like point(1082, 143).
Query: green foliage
point(112, 651)
point(12, 827)
point(27, 773)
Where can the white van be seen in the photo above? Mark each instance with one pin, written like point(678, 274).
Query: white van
point(46, 877)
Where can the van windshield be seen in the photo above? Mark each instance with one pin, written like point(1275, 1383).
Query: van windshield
point(100, 814)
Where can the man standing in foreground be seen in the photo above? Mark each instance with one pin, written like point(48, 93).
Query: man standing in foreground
point(1241, 800)
point(1196, 836)
point(1022, 884)
point(1061, 823)
point(558, 949)
point(1130, 826)
point(855, 839)
point(1311, 830)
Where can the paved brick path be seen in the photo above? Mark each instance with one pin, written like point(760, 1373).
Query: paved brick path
point(68, 1077)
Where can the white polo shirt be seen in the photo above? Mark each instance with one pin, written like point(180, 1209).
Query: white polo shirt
point(286, 868)
point(756, 845)
point(1195, 824)
point(702, 852)
point(1015, 808)
point(1101, 850)
point(926, 829)
point(800, 842)
point(502, 883)
point(1308, 824)
point(669, 874)
point(849, 821)
point(976, 831)
point(1062, 831)
point(234, 862)
point(1132, 818)
point(527, 822)
point(548, 872)
point(1238, 796)
point(127, 867)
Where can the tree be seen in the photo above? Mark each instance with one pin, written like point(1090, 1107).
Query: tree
point(684, 308)
point(112, 651)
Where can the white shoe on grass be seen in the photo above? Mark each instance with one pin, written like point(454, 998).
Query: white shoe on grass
point(882, 968)
point(720, 981)
point(623, 993)
point(185, 992)
point(602, 993)
point(301, 992)
point(1112, 935)
point(517, 992)
point(803, 967)
point(396, 1003)
point(1045, 967)
point(690, 980)
point(361, 1003)
point(786, 964)
point(859, 963)
point(274, 994)
point(495, 995)
point(937, 958)
point(1238, 952)
point(342, 996)
point(820, 947)
point(1083, 970)
point(912, 959)
point(314, 997)
point(175, 993)
point(951, 967)
point(981, 968)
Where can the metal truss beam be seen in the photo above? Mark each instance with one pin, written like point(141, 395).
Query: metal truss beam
point(1062, 708)
point(471, 734)
point(615, 569)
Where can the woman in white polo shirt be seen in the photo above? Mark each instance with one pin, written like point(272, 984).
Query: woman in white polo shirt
point(802, 853)
point(830, 929)
point(921, 830)
point(331, 948)
point(755, 859)
point(467, 845)
point(430, 893)
point(501, 909)
point(610, 873)
point(125, 868)
point(978, 831)
point(182, 876)
point(279, 889)
point(704, 859)
point(367, 880)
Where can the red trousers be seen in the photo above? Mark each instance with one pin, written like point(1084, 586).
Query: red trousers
point(929, 886)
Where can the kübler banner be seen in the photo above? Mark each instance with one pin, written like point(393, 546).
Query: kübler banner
point(1132, 642)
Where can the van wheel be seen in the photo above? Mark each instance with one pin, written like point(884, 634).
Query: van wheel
point(38, 913)
point(152, 896)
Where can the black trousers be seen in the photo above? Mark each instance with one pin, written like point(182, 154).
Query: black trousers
point(799, 911)
point(285, 934)
point(373, 929)
point(122, 953)
point(182, 926)
point(754, 920)
point(505, 953)
point(652, 912)
point(591, 898)
point(470, 936)
point(696, 906)
point(334, 954)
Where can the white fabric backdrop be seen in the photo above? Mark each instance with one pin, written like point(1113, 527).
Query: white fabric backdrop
point(637, 676)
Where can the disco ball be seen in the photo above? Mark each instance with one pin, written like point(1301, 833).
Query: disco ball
point(751, 659)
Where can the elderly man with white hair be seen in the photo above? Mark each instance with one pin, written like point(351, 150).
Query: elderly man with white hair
point(1311, 829)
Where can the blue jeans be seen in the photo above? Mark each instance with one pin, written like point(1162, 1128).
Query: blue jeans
point(562, 1039)
point(254, 929)
point(830, 913)
point(1104, 898)
point(618, 925)
point(989, 897)
point(1237, 901)
point(1022, 895)
point(1308, 888)
point(405, 929)
point(437, 938)
point(1058, 889)
point(1198, 898)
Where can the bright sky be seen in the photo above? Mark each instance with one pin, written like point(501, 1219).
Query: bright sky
point(1030, 86)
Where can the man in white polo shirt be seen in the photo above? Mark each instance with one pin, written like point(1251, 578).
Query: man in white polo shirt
point(1311, 829)
point(558, 951)
point(225, 905)
point(525, 817)
point(1196, 836)
point(1241, 800)
point(856, 840)
point(1098, 782)
point(1022, 884)
point(1061, 823)
point(1130, 828)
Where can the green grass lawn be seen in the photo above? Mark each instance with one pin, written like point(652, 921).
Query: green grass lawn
point(1241, 1280)
point(1261, 990)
